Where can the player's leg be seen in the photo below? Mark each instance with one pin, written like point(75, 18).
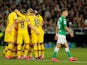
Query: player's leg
point(26, 43)
point(26, 49)
point(42, 50)
point(35, 50)
point(69, 53)
point(34, 43)
point(56, 50)
point(19, 50)
point(30, 51)
point(14, 51)
point(5, 50)
point(11, 42)
point(39, 49)
point(9, 51)
point(19, 46)
point(58, 46)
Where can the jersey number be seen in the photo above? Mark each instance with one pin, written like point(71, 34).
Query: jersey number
point(22, 24)
point(36, 21)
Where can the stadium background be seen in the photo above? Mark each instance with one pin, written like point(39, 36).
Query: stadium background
point(50, 10)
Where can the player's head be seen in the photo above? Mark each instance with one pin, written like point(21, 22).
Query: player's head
point(22, 11)
point(30, 10)
point(36, 12)
point(64, 12)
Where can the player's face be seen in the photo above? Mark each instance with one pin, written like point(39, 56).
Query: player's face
point(66, 13)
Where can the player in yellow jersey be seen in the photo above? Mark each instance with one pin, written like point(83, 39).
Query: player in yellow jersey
point(10, 33)
point(41, 37)
point(34, 20)
point(23, 35)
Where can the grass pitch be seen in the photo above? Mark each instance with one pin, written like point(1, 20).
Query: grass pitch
point(80, 53)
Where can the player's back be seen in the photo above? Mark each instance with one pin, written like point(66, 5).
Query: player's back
point(61, 25)
point(22, 25)
point(41, 23)
point(34, 20)
point(11, 18)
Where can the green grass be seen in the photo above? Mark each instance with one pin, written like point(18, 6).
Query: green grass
point(80, 53)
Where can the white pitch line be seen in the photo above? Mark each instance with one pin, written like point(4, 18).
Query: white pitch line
point(68, 61)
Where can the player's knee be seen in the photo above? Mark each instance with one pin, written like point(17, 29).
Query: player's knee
point(58, 45)
point(19, 47)
point(39, 47)
point(26, 46)
point(35, 47)
point(42, 46)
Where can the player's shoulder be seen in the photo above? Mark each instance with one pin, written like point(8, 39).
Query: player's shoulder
point(20, 18)
point(13, 13)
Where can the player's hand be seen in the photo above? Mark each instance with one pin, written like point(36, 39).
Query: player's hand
point(56, 37)
point(16, 10)
point(72, 35)
point(9, 30)
point(37, 33)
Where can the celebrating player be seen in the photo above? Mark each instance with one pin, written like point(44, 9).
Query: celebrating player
point(41, 37)
point(10, 35)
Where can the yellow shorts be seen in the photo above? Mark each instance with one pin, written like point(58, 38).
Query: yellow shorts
point(23, 36)
point(41, 38)
point(36, 38)
point(10, 37)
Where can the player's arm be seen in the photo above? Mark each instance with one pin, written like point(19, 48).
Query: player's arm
point(12, 26)
point(67, 29)
point(56, 37)
point(32, 27)
point(19, 13)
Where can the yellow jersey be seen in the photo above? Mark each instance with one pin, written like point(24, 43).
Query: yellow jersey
point(34, 21)
point(11, 19)
point(41, 20)
point(41, 23)
point(22, 25)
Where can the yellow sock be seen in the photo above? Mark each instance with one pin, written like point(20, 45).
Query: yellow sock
point(26, 50)
point(5, 50)
point(14, 52)
point(39, 49)
point(30, 50)
point(42, 49)
point(19, 50)
point(9, 51)
point(35, 51)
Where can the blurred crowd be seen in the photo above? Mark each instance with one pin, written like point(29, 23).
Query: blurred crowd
point(50, 10)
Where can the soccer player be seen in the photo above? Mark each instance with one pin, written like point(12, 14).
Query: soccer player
point(34, 20)
point(61, 36)
point(41, 37)
point(23, 35)
point(10, 36)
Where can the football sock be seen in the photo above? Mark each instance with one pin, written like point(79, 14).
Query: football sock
point(19, 47)
point(35, 51)
point(9, 51)
point(26, 49)
point(55, 52)
point(68, 52)
point(39, 49)
point(5, 50)
point(30, 51)
point(42, 49)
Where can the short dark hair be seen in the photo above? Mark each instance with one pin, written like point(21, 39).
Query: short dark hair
point(63, 9)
